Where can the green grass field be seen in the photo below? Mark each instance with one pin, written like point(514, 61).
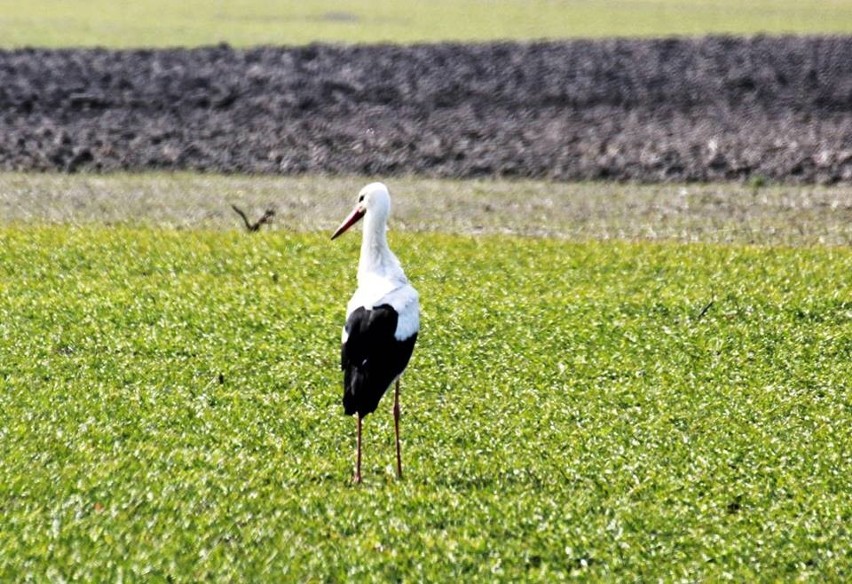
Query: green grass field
point(169, 409)
point(158, 23)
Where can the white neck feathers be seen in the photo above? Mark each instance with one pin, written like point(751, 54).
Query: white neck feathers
point(377, 260)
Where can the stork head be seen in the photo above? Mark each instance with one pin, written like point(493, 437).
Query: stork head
point(374, 200)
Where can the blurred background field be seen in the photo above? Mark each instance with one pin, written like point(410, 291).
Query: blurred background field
point(585, 211)
point(160, 23)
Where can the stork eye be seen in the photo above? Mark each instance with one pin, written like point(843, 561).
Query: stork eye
point(361, 198)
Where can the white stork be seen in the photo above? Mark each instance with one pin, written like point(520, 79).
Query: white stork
point(382, 318)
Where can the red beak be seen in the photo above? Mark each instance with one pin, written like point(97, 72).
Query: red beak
point(353, 218)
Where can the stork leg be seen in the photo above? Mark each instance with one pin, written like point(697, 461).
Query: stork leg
point(357, 477)
point(396, 430)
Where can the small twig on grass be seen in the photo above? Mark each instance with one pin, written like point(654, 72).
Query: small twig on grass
point(704, 310)
point(251, 227)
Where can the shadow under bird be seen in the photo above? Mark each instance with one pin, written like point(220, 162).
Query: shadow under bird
point(382, 318)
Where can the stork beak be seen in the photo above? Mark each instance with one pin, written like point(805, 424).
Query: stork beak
point(353, 218)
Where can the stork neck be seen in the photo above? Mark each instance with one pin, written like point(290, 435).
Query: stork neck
point(376, 256)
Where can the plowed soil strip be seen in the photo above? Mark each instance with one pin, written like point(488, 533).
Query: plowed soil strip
point(671, 110)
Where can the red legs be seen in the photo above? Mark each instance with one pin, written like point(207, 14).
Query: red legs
point(396, 430)
point(357, 477)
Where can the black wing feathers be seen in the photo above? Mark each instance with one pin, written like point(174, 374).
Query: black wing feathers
point(371, 358)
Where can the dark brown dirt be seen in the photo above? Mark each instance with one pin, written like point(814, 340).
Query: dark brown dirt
point(660, 110)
